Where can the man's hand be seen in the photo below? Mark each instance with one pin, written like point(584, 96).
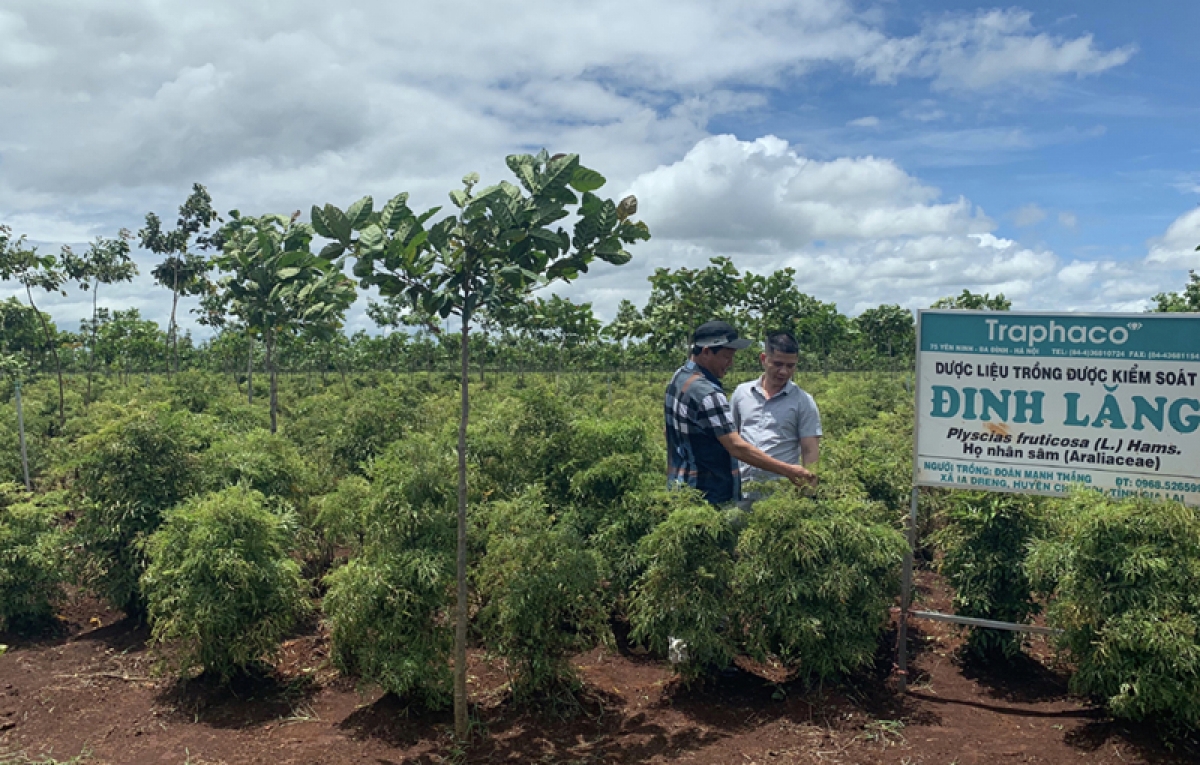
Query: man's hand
point(742, 450)
point(801, 477)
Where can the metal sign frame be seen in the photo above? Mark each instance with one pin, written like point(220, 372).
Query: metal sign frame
point(906, 610)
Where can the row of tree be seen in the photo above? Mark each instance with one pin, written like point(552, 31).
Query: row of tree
point(474, 269)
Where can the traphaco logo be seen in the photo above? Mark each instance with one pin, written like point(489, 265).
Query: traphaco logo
point(1058, 333)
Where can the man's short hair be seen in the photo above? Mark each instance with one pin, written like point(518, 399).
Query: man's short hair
point(781, 342)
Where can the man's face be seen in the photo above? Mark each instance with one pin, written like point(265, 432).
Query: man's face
point(779, 367)
point(722, 360)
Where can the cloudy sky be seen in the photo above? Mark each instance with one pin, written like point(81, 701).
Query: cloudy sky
point(889, 151)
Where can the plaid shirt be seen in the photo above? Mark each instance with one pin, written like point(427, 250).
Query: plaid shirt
point(697, 414)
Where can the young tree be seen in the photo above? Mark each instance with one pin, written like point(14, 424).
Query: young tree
point(22, 347)
point(1187, 300)
point(685, 298)
point(277, 286)
point(888, 330)
point(20, 262)
point(107, 261)
point(182, 271)
point(969, 301)
point(493, 251)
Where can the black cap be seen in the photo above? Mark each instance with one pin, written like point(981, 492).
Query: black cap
point(718, 334)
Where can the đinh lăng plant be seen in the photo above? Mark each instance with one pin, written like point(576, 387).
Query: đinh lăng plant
point(222, 589)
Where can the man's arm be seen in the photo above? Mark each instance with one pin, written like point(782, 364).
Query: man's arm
point(752, 455)
point(810, 450)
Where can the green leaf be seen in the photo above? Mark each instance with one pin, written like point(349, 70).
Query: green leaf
point(291, 259)
point(522, 166)
point(360, 212)
point(586, 179)
point(560, 171)
point(459, 197)
point(339, 224)
point(320, 224)
point(395, 212)
point(427, 214)
point(371, 238)
point(333, 250)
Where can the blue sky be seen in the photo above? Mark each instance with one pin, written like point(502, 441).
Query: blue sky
point(889, 151)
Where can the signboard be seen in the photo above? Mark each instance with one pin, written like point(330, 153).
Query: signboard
point(1039, 402)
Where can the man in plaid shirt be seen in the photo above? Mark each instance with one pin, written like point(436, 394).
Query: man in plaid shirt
point(703, 446)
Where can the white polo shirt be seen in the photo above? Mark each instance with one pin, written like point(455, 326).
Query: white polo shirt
point(774, 424)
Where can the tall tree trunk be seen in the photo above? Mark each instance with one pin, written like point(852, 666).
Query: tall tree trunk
point(250, 368)
point(21, 436)
point(460, 613)
point(92, 351)
point(53, 343)
point(269, 340)
point(172, 347)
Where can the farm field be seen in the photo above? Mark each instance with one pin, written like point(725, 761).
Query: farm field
point(94, 692)
point(563, 467)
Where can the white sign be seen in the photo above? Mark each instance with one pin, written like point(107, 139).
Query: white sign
point(1039, 403)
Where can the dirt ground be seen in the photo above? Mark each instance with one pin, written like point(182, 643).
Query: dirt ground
point(92, 694)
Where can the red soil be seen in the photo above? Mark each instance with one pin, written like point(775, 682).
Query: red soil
point(93, 690)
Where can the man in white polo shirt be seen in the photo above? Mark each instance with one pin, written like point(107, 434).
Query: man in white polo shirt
point(774, 414)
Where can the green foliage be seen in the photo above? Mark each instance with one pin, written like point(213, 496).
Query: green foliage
point(277, 287)
point(540, 589)
point(371, 421)
point(196, 390)
point(342, 514)
point(857, 398)
point(985, 539)
point(387, 608)
point(221, 586)
point(267, 463)
point(970, 301)
point(31, 552)
point(621, 531)
point(127, 475)
point(888, 330)
point(1186, 300)
point(1125, 578)
point(877, 456)
point(611, 457)
point(686, 589)
point(814, 582)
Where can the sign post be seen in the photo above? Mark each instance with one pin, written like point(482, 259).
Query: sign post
point(1044, 403)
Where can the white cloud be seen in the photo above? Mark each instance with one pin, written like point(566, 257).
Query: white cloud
point(866, 122)
point(1028, 215)
point(114, 109)
point(859, 231)
point(986, 50)
point(1068, 220)
point(1177, 247)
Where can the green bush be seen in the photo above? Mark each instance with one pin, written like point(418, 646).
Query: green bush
point(126, 476)
point(265, 462)
point(31, 552)
point(1125, 583)
point(877, 456)
point(619, 536)
point(814, 581)
point(342, 514)
point(195, 390)
point(685, 591)
point(221, 587)
point(985, 541)
point(388, 607)
point(372, 421)
point(540, 589)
